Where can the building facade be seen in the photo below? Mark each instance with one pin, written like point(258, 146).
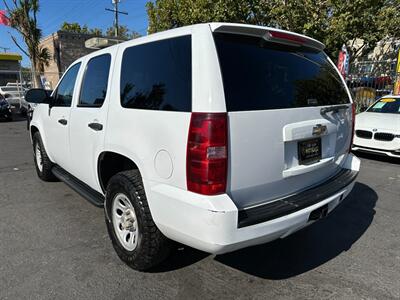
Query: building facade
point(381, 61)
point(10, 66)
point(64, 48)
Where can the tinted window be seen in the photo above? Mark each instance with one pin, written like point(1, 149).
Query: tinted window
point(386, 105)
point(95, 81)
point(259, 75)
point(158, 75)
point(65, 89)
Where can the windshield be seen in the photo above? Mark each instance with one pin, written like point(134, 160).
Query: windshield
point(259, 75)
point(386, 105)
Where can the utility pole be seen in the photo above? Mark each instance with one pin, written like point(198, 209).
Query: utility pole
point(116, 15)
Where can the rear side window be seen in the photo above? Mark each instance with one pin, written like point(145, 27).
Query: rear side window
point(259, 75)
point(95, 81)
point(158, 75)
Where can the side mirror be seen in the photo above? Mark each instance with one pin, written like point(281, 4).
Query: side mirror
point(37, 96)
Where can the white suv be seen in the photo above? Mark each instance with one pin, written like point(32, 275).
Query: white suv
point(217, 136)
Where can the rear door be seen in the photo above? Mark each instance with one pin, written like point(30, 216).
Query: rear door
point(280, 139)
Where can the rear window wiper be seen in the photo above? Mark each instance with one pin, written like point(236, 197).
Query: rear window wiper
point(335, 109)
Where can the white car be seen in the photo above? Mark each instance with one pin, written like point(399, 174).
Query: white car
point(15, 95)
point(217, 136)
point(377, 130)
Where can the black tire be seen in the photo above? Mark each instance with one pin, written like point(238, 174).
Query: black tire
point(152, 246)
point(9, 118)
point(45, 174)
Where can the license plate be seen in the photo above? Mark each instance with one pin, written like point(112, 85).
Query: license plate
point(309, 151)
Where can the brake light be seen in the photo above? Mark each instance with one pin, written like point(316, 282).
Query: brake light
point(292, 39)
point(207, 153)
point(287, 36)
point(353, 120)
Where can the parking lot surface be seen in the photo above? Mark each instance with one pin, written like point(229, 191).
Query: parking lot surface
point(54, 244)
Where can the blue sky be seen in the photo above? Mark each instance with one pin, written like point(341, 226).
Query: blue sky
point(91, 12)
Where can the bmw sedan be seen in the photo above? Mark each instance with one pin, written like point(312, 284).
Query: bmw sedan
point(377, 130)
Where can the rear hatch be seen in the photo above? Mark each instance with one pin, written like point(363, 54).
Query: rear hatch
point(289, 113)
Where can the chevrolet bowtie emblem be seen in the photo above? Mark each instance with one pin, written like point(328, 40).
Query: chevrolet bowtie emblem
point(319, 129)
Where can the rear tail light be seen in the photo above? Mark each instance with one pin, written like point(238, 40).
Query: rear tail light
point(207, 153)
point(353, 120)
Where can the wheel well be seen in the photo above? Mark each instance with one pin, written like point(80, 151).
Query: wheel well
point(34, 129)
point(111, 163)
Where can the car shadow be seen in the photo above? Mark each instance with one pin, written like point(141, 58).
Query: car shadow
point(298, 253)
point(313, 246)
point(181, 257)
point(377, 157)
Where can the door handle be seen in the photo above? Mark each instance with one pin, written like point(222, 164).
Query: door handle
point(96, 126)
point(63, 121)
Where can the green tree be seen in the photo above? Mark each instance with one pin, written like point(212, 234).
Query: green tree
point(334, 22)
point(166, 14)
point(352, 20)
point(96, 31)
point(73, 27)
point(77, 28)
point(23, 18)
point(388, 18)
point(123, 32)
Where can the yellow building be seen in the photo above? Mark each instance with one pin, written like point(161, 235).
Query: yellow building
point(10, 66)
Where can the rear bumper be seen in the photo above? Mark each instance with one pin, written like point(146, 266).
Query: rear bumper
point(287, 205)
point(215, 225)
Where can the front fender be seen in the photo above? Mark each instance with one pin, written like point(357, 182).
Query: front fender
point(37, 122)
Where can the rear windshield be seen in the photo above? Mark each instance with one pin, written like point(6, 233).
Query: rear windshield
point(260, 75)
point(386, 105)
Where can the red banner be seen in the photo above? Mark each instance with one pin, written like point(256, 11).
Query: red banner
point(340, 64)
point(3, 18)
point(343, 62)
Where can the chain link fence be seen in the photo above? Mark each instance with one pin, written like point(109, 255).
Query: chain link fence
point(370, 80)
point(14, 84)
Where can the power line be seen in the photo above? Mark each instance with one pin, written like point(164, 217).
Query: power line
point(71, 13)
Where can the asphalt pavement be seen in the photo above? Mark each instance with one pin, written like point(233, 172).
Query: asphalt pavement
point(54, 245)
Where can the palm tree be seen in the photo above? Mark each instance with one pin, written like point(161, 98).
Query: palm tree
point(23, 18)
